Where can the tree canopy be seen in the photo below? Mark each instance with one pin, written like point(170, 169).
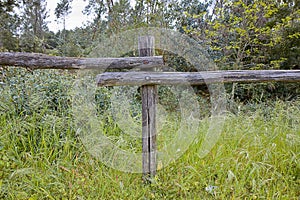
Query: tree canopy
point(239, 34)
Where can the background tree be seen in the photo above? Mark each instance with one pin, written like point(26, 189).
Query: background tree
point(62, 10)
point(186, 15)
point(118, 17)
point(34, 26)
point(250, 34)
point(9, 25)
point(245, 34)
point(239, 34)
point(286, 35)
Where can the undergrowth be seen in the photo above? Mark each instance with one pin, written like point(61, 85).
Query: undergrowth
point(41, 156)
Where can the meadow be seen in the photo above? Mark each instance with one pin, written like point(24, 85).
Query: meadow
point(41, 157)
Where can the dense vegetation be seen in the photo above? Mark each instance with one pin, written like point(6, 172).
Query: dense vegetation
point(257, 155)
point(241, 34)
point(238, 34)
point(42, 157)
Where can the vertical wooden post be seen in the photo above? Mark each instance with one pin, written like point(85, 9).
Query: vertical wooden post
point(149, 101)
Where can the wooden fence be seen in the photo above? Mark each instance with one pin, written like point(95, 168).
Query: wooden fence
point(148, 78)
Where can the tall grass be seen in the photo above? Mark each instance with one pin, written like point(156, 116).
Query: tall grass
point(41, 157)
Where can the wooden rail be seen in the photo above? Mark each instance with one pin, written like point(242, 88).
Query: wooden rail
point(41, 61)
point(196, 78)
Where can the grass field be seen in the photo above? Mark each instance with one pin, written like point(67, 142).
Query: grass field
point(41, 157)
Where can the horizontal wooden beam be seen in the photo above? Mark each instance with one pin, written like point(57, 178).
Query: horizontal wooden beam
point(196, 78)
point(41, 61)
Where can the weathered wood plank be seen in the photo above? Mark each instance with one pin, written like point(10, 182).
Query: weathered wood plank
point(152, 102)
point(42, 61)
point(149, 100)
point(146, 46)
point(196, 78)
point(145, 134)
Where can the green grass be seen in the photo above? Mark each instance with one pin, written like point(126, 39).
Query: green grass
point(257, 157)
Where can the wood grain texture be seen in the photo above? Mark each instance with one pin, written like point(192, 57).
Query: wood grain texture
point(149, 100)
point(41, 61)
point(196, 78)
point(145, 133)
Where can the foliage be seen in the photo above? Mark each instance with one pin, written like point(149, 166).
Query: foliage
point(256, 34)
point(241, 34)
point(249, 34)
point(33, 26)
point(41, 157)
point(26, 93)
point(63, 9)
point(9, 23)
point(257, 156)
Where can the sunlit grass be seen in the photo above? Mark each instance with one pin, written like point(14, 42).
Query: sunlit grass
point(256, 157)
point(41, 156)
